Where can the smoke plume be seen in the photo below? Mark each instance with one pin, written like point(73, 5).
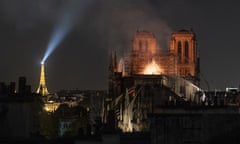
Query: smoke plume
point(118, 20)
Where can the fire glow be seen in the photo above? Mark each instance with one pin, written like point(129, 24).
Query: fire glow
point(152, 69)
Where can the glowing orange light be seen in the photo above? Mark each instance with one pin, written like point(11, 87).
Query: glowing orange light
point(152, 69)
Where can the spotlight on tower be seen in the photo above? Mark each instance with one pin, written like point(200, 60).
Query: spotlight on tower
point(58, 35)
point(42, 88)
point(66, 20)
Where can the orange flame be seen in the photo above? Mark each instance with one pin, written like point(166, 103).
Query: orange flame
point(152, 69)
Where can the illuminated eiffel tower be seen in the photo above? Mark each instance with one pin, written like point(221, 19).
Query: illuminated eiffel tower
point(42, 88)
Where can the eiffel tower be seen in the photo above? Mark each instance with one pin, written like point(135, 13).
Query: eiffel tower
point(42, 88)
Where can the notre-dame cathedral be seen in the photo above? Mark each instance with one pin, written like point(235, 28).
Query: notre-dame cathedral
point(147, 77)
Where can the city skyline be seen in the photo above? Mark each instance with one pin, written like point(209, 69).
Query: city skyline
point(81, 59)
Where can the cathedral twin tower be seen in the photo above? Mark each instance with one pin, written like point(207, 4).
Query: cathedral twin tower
point(183, 45)
point(145, 58)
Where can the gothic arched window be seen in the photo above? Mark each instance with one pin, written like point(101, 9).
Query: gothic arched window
point(140, 45)
point(186, 49)
point(146, 46)
point(179, 50)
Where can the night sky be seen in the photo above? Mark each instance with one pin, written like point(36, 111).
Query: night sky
point(97, 26)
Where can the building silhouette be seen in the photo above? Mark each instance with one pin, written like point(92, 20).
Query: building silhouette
point(19, 111)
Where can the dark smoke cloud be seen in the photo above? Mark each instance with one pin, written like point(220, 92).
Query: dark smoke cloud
point(118, 20)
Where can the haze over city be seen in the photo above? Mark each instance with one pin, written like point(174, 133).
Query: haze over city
point(80, 60)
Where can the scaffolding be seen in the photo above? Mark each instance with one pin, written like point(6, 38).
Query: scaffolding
point(135, 62)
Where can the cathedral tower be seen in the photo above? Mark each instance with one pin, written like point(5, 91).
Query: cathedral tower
point(144, 49)
point(42, 88)
point(144, 42)
point(183, 44)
